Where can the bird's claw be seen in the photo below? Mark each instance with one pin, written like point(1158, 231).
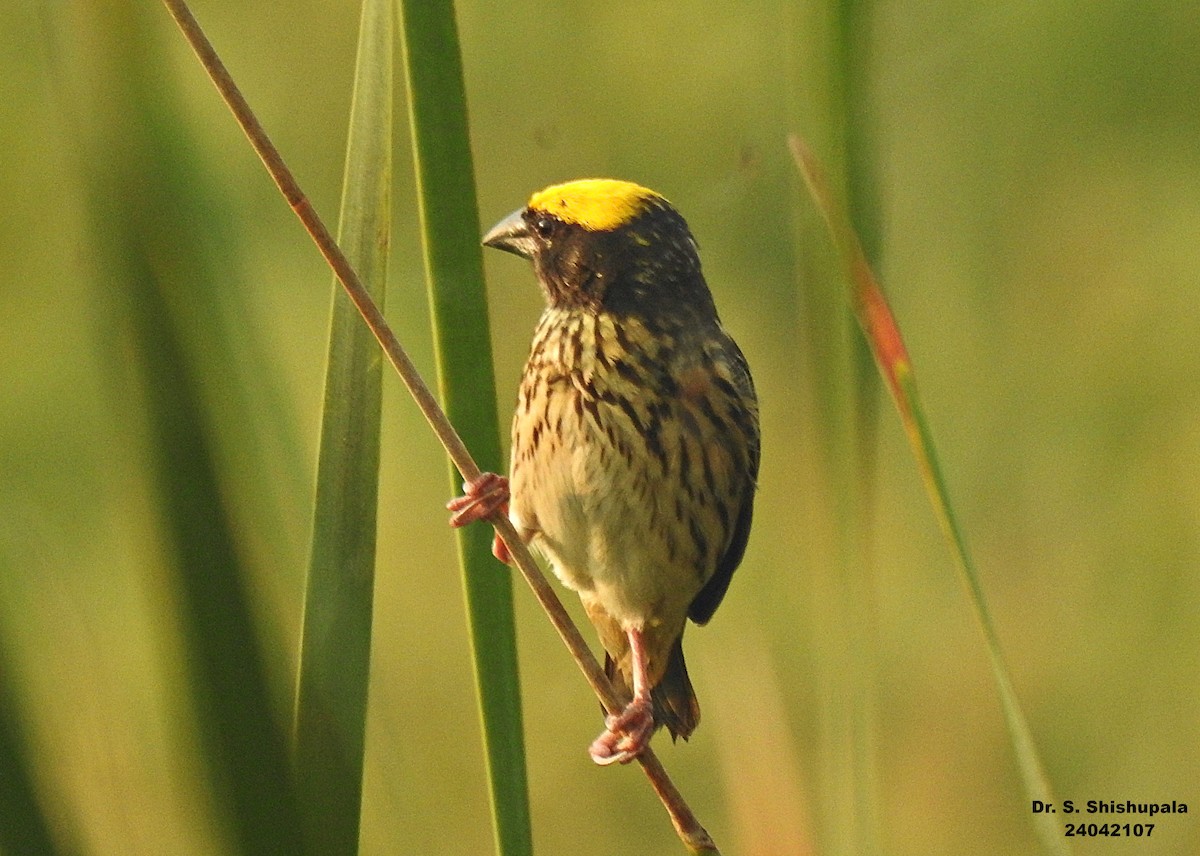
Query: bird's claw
point(626, 735)
point(482, 497)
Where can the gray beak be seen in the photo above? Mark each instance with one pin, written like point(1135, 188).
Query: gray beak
point(511, 235)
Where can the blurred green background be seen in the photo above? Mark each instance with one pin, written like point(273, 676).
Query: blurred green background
point(1040, 199)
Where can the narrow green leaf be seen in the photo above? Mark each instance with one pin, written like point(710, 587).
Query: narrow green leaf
point(454, 265)
point(854, 54)
point(153, 260)
point(883, 335)
point(335, 648)
point(1033, 774)
point(23, 826)
point(244, 745)
point(846, 404)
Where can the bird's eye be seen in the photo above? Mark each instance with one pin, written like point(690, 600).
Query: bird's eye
point(544, 226)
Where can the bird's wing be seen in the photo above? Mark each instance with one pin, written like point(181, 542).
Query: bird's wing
point(746, 427)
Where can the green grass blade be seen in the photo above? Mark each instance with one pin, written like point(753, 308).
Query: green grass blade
point(335, 648)
point(830, 83)
point(1033, 775)
point(244, 747)
point(24, 827)
point(450, 236)
point(883, 335)
point(853, 62)
point(154, 262)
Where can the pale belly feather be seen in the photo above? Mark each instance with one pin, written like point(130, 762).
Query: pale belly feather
point(595, 520)
point(635, 530)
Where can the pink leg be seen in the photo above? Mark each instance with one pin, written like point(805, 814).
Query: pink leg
point(482, 498)
point(627, 733)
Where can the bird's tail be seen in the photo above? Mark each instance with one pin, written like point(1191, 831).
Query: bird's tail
point(675, 703)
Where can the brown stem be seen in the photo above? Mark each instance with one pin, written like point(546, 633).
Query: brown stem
point(688, 827)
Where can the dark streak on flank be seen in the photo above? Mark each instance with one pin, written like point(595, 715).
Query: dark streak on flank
point(701, 542)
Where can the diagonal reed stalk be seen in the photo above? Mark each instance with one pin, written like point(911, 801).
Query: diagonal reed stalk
point(693, 835)
point(335, 644)
point(883, 336)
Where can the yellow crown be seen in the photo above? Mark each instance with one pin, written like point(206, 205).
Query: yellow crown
point(596, 204)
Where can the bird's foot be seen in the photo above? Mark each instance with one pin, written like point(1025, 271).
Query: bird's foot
point(626, 734)
point(482, 497)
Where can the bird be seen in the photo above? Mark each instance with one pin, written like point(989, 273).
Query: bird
point(635, 440)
